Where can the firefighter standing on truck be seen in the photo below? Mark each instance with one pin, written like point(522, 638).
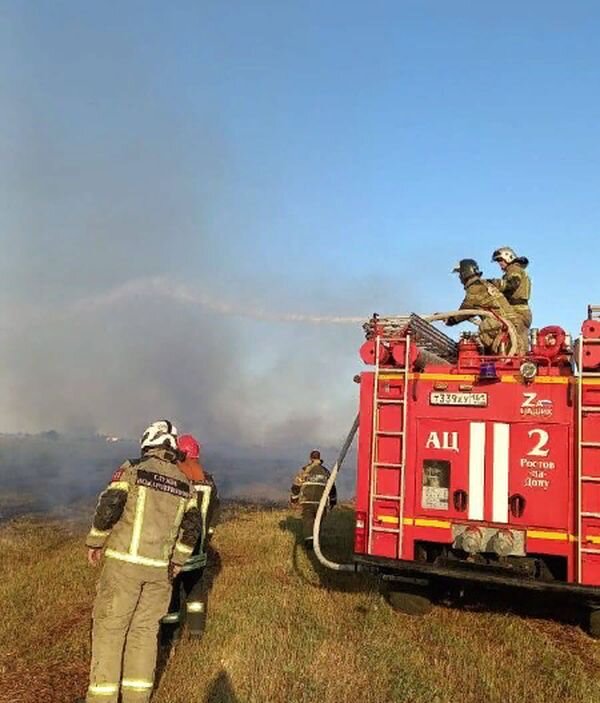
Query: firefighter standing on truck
point(307, 490)
point(188, 602)
point(515, 284)
point(147, 523)
point(480, 294)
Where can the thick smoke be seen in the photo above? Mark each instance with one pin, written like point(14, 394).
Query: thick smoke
point(132, 284)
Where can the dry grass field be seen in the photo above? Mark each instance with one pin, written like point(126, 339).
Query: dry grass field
point(282, 630)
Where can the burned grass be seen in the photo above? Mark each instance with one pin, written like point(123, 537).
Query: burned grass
point(282, 629)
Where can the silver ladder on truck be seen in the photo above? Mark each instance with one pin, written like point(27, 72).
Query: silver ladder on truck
point(583, 478)
point(377, 433)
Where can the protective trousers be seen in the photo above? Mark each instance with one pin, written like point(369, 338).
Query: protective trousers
point(131, 599)
point(309, 512)
point(522, 321)
point(188, 604)
point(492, 334)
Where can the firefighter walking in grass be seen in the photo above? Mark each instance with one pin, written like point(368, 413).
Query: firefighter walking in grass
point(307, 490)
point(146, 524)
point(189, 602)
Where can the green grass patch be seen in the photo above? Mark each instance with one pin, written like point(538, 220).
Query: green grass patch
point(282, 629)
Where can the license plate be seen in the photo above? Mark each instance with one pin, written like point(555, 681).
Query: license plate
point(478, 400)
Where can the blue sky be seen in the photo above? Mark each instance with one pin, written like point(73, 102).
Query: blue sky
point(302, 156)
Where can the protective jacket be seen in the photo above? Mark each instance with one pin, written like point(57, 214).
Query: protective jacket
point(208, 504)
point(148, 514)
point(480, 294)
point(515, 284)
point(309, 484)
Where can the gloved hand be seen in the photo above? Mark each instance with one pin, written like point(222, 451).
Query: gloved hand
point(174, 571)
point(94, 556)
point(451, 321)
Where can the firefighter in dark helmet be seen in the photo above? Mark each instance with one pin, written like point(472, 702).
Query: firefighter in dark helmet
point(480, 294)
point(145, 526)
point(307, 490)
point(188, 602)
point(515, 284)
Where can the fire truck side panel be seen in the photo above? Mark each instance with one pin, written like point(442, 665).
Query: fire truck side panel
point(441, 468)
point(540, 472)
point(466, 465)
point(481, 464)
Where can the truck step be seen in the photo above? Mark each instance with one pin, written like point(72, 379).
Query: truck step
point(389, 530)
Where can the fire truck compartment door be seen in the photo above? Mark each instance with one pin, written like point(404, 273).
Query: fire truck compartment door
point(442, 460)
point(538, 480)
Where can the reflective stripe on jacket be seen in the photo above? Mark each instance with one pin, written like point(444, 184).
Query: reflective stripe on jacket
point(148, 514)
point(208, 500)
point(309, 484)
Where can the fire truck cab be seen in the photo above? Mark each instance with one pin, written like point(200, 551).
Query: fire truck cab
point(480, 469)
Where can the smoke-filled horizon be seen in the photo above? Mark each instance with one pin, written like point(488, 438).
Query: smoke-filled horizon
point(191, 198)
point(130, 292)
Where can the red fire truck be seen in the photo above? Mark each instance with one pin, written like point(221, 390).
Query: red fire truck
point(481, 469)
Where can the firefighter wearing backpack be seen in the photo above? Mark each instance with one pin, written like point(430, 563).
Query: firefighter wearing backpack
point(146, 524)
point(307, 490)
point(515, 284)
point(480, 294)
point(188, 601)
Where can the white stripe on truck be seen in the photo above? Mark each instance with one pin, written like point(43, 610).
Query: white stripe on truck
point(500, 472)
point(476, 469)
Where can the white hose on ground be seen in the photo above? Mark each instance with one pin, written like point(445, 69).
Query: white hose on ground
point(325, 499)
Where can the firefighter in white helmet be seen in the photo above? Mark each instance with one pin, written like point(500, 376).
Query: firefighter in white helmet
point(516, 286)
point(146, 525)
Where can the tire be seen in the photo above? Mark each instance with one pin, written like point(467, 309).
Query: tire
point(409, 601)
point(593, 623)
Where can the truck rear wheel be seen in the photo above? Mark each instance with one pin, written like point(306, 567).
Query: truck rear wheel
point(593, 623)
point(411, 601)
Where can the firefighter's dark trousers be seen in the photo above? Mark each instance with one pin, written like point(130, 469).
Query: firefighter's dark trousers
point(188, 605)
point(131, 599)
point(309, 512)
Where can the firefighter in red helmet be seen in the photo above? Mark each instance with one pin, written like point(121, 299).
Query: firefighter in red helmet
point(188, 601)
point(307, 490)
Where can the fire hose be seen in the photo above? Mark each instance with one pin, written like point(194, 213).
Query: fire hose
point(510, 328)
point(325, 499)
